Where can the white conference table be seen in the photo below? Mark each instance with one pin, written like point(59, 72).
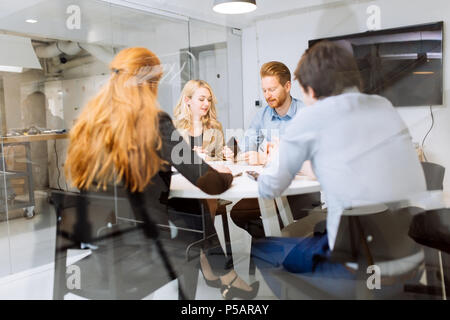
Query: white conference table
point(243, 187)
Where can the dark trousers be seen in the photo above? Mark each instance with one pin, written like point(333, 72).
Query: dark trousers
point(188, 213)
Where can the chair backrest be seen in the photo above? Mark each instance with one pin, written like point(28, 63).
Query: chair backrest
point(374, 238)
point(434, 175)
point(386, 241)
point(383, 236)
point(82, 220)
point(81, 216)
point(432, 228)
point(169, 219)
point(125, 263)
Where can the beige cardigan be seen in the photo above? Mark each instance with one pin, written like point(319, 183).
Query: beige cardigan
point(213, 142)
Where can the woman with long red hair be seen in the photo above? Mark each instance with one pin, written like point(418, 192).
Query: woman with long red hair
point(123, 138)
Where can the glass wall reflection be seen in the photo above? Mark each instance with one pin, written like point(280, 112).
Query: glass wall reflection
point(63, 49)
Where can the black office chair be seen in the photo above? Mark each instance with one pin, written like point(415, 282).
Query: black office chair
point(432, 229)
point(125, 262)
point(365, 239)
point(434, 175)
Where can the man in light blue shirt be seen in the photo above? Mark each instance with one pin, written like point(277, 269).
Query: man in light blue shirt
point(269, 123)
point(267, 127)
point(360, 149)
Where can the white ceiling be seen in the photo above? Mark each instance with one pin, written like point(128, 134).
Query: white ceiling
point(101, 20)
point(101, 23)
point(202, 9)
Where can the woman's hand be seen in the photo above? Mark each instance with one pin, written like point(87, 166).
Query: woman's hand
point(198, 149)
point(222, 169)
point(228, 153)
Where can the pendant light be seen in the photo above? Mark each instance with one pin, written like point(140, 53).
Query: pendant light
point(234, 6)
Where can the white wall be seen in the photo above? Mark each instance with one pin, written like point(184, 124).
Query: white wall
point(65, 100)
point(285, 38)
point(11, 86)
point(204, 33)
point(12, 83)
point(2, 106)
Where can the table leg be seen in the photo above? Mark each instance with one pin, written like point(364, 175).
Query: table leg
point(269, 217)
point(285, 210)
point(240, 242)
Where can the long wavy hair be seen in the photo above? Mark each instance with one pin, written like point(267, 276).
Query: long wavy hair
point(116, 138)
point(182, 113)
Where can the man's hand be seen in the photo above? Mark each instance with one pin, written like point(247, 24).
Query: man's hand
point(307, 170)
point(228, 153)
point(272, 149)
point(253, 158)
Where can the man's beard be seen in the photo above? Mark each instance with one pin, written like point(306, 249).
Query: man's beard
point(278, 102)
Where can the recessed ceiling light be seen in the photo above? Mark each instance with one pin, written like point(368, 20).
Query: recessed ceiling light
point(11, 69)
point(234, 6)
point(31, 21)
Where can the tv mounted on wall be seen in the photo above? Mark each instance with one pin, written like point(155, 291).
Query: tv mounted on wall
point(402, 64)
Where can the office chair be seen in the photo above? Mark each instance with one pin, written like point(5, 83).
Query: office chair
point(432, 229)
point(364, 238)
point(434, 175)
point(124, 261)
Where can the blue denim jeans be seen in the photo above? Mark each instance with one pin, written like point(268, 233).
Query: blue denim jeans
point(298, 255)
point(306, 257)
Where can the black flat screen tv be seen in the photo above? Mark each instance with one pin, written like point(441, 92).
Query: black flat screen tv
point(402, 64)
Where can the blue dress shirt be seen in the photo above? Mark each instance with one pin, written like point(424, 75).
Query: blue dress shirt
point(361, 152)
point(268, 124)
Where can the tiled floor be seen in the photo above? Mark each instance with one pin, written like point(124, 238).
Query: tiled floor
point(24, 243)
point(34, 283)
point(26, 271)
point(27, 262)
point(37, 283)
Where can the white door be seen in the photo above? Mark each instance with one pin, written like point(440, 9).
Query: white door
point(213, 69)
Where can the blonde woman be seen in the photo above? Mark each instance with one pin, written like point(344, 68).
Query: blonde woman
point(196, 119)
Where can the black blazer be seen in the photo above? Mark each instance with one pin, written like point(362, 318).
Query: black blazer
point(155, 196)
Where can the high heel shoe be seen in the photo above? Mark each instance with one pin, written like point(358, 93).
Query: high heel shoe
point(229, 292)
point(212, 283)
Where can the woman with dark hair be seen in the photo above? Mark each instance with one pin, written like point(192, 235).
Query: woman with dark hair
point(123, 137)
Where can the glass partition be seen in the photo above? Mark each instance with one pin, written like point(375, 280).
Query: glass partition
point(59, 52)
point(57, 242)
point(167, 37)
point(63, 48)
